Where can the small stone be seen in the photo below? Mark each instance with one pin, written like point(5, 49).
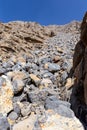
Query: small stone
point(53, 78)
point(47, 74)
point(46, 81)
point(60, 50)
point(20, 98)
point(17, 108)
point(2, 70)
point(17, 75)
point(56, 59)
point(52, 67)
point(4, 125)
point(38, 96)
point(64, 76)
point(46, 66)
point(25, 109)
point(66, 65)
point(21, 60)
point(31, 87)
point(69, 83)
point(18, 86)
point(34, 66)
point(35, 79)
point(13, 59)
point(17, 67)
point(13, 116)
point(8, 64)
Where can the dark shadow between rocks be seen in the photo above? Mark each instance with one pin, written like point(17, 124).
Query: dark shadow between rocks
point(77, 104)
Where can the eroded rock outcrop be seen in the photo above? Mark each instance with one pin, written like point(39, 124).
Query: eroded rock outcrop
point(22, 37)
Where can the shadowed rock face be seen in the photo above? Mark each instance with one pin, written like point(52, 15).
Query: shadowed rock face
point(79, 93)
point(84, 29)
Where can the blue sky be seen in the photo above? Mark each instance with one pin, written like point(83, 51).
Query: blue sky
point(44, 12)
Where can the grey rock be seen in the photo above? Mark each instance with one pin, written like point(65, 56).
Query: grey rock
point(45, 60)
point(61, 107)
point(8, 64)
point(4, 125)
point(34, 66)
point(17, 67)
point(31, 70)
point(18, 86)
point(2, 70)
point(27, 66)
point(64, 76)
point(16, 108)
point(2, 80)
point(66, 65)
point(52, 67)
point(19, 98)
point(38, 96)
point(37, 126)
point(47, 74)
point(53, 78)
point(25, 109)
point(30, 88)
point(13, 116)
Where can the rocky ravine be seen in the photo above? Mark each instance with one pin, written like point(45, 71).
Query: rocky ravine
point(35, 88)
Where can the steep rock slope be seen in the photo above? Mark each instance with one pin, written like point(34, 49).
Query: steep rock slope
point(34, 66)
point(22, 37)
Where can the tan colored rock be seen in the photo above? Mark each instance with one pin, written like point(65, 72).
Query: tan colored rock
point(17, 75)
point(59, 49)
point(27, 124)
point(53, 121)
point(46, 82)
point(58, 122)
point(35, 79)
point(11, 122)
point(14, 59)
point(56, 59)
point(6, 95)
point(46, 66)
point(69, 83)
point(21, 60)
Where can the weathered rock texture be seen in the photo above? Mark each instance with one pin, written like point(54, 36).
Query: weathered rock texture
point(79, 94)
point(22, 37)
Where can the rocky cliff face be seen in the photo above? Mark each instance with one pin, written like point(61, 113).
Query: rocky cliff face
point(35, 86)
point(79, 93)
